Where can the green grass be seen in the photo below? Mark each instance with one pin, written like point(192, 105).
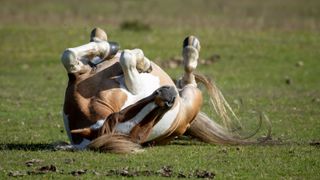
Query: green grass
point(259, 45)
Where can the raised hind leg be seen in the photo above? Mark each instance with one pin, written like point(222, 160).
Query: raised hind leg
point(190, 54)
point(190, 96)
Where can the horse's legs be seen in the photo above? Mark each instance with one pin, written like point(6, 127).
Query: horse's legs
point(134, 62)
point(77, 59)
point(190, 95)
point(190, 54)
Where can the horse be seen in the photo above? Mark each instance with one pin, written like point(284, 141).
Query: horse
point(119, 100)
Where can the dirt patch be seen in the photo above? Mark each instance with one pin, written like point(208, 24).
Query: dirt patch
point(16, 173)
point(315, 143)
point(33, 161)
point(43, 170)
point(204, 174)
point(135, 25)
point(164, 171)
point(78, 172)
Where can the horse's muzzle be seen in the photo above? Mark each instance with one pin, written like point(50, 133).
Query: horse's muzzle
point(165, 96)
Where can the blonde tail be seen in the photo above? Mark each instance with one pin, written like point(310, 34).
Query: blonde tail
point(219, 103)
point(209, 131)
point(206, 130)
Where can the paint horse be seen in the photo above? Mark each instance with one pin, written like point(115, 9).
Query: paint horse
point(117, 100)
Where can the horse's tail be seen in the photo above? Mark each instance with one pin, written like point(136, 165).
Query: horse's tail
point(206, 130)
point(209, 131)
point(114, 143)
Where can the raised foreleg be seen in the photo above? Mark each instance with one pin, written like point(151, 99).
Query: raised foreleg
point(133, 62)
point(79, 59)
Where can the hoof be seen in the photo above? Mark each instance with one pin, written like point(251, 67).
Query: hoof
point(114, 48)
point(190, 53)
point(97, 34)
point(192, 41)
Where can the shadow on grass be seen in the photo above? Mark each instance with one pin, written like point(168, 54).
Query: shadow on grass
point(178, 142)
point(27, 147)
point(190, 141)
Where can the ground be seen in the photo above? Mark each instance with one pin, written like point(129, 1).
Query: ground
point(264, 56)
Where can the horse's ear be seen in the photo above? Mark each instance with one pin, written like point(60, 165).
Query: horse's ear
point(87, 133)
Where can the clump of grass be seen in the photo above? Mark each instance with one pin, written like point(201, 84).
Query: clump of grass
point(135, 25)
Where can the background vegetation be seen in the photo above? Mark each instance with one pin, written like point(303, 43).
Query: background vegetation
point(265, 57)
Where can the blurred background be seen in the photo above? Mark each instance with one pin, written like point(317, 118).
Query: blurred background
point(246, 14)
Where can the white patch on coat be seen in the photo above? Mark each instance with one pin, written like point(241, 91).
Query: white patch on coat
point(97, 125)
point(148, 83)
point(66, 126)
point(127, 126)
point(165, 123)
point(83, 145)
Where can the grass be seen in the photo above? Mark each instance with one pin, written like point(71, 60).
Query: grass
point(260, 45)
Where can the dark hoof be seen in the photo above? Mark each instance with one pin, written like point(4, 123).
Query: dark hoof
point(114, 48)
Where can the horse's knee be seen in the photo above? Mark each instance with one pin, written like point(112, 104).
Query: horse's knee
point(143, 63)
point(190, 58)
point(70, 61)
point(135, 59)
point(127, 60)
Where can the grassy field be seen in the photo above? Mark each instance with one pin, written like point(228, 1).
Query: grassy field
point(269, 61)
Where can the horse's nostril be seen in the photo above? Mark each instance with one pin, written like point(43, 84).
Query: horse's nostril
point(158, 92)
point(167, 95)
point(171, 102)
point(168, 104)
point(172, 99)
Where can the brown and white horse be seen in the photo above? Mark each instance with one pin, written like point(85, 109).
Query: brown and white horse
point(117, 100)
